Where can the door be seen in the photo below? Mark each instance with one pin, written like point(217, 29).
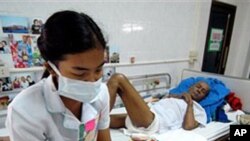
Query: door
point(218, 37)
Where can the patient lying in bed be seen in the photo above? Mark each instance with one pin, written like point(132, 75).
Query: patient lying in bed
point(171, 112)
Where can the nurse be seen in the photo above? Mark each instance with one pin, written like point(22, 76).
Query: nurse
point(71, 104)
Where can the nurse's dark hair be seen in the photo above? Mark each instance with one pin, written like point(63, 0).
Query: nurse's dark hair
point(68, 32)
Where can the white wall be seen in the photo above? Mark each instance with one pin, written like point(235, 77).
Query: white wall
point(169, 28)
point(238, 55)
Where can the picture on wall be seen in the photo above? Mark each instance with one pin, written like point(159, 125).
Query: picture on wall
point(5, 52)
point(4, 102)
point(5, 84)
point(24, 50)
point(36, 26)
point(6, 60)
point(4, 46)
point(37, 59)
point(13, 24)
point(215, 41)
point(22, 80)
point(114, 54)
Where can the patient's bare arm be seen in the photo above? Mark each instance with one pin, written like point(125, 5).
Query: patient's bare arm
point(189, 121)
point(136, 107)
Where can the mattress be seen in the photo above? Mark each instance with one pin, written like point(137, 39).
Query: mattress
point(214, 129)
point(118, 135)
point(210, 132)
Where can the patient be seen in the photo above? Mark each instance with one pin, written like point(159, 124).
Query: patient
point(171, 112)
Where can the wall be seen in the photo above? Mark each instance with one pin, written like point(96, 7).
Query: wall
point(238, 63)
point(148, 30)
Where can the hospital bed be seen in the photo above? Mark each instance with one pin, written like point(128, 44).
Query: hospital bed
point(214, 131)
point(158, 85)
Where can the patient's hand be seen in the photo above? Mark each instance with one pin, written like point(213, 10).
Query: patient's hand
point(187, 97)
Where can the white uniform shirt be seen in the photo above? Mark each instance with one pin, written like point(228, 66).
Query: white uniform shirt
point(171, 112)
point(38, 114)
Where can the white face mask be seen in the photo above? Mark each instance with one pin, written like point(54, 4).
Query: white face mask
point(76, 89)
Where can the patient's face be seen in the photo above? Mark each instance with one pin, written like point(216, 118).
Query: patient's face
point(199, 90)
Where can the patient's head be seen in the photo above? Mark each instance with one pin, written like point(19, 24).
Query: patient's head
point(199, 90)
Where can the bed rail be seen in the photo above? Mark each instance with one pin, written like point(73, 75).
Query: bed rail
point(149, 85)
point(151, 82)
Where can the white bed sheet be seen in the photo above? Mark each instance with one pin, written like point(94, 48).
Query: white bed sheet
point(212, 131)
point(174, 135)
point(117, 135)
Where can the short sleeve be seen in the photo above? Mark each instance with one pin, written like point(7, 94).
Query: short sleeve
point(20, 127)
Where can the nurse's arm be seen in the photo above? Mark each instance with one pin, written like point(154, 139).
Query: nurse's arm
point(104, 135)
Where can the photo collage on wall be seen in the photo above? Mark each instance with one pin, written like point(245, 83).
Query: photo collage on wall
point(17, 81)
point(5, 85)
point(14, 24)
point(18, 49)
point(22, 80)
point(24, 50)
point(20, 41)
point(14, 84)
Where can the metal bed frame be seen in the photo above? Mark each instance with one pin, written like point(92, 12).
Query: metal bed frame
point(149, 85)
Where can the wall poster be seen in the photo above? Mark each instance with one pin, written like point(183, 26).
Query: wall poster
point(215, 41)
